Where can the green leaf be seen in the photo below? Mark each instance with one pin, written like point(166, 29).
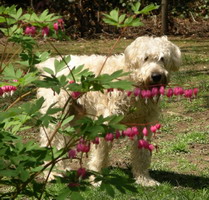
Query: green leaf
point(2, 19)
point(93, 131)
point(49, 82)
point(43, 55)
point(114, 15)
point(8, 173)
point(64, 194)
point(48, 70)
point(17, 14)
point(32, 108)
point(116, 119)
point(78, 72)
point(24, 175)
point(43, 15)
point(10, 72)
point(118, 126)
point(63, 80)
point(10, 113)
point(34, 17)
point(121, 84)
point(15, 160)
point(136, 22)
point(76, 196)
point(59, 65)
point(26, 17)
point(135, 7)
point(147, 9)
point(122, 18)
point(26, 42)
point(67, 120)
point(114, 75)
point(11, 21)
point(27, 79)
point(108, 188)
point(52, 111)
point(2, 9)
point(19, 146)
point(4, 31)
point(128, 21)
point(67, 59)
point(112, 18)
point(10, 10)
point(110, 22)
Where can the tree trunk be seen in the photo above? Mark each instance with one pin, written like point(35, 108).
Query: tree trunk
point(164, 19)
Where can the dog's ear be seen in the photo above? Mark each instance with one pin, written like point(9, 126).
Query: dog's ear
point(132, 54)
point(175, 58)
point(175, 54)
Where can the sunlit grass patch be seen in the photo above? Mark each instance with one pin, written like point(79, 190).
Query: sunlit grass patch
point(182, 142)
point(86, 47)
point(192, 59)
point(196, 105)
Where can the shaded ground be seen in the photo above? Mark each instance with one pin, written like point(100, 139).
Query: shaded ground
point(179, 27)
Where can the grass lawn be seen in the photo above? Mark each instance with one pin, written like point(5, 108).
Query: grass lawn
point(181, 163)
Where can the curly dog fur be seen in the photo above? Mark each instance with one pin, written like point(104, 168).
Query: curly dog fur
point(150, 61)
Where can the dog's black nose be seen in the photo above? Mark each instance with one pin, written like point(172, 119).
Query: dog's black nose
point(156, 77)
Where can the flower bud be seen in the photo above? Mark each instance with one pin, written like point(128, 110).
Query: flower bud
point(137, 92)
point(169, 92)
point(75, 95)
point(96, 140)
point(153, 129)
point(56, 26)
point(188, 93)
point(71, 153)
point(158, 126)
point(129, 93)
point(117, 134)
point(151, 147)
point(195, 91)
point(145, 131)
point(1, 91)
point(81, 172)
point(45, 31)
point(30, 30)
point(143, 144)
point(162, 90)
point(154, 92)
point(109, 137)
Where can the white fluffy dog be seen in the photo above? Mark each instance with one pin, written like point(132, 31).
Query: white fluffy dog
point(150, 60)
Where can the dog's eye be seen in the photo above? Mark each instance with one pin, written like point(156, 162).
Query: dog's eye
point(146, 58)
point(162, 59)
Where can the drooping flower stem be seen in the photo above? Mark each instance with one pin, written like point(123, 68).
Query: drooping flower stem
point(20, 98)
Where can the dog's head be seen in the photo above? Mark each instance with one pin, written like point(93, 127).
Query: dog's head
point(151, 59)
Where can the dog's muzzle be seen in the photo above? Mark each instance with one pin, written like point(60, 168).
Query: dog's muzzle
point(158, 79)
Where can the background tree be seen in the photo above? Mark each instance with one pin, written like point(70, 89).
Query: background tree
point(164, 17)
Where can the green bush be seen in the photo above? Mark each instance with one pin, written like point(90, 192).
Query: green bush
point(22, 162)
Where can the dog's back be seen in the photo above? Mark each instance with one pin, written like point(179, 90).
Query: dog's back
point(93, 62)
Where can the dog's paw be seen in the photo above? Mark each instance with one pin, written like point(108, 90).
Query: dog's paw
point(92, 181)
point(147, 181)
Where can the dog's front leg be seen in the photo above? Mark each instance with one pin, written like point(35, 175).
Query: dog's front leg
point(49, 137)
point(99, 155)
point(99, 158)
point(141, 159)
